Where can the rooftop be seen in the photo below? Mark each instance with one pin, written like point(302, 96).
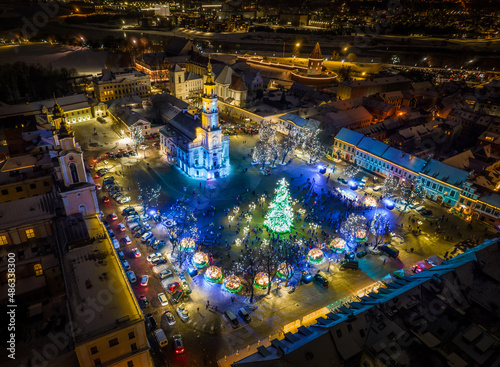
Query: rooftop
point(446, 173)
point(92, 269)
point(373, 146)
point(404, 160)
point(349, 136)
point(29, 210)
point(68, 104)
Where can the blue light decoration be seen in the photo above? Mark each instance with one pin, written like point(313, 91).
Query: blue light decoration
point(389, 204)
point(192, 271)
point(321, 169)
point(152, 212)
point(353, 185)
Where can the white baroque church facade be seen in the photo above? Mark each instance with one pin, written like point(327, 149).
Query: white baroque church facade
point(196, 145)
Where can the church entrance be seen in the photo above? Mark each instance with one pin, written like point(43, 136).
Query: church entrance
point(216, 174)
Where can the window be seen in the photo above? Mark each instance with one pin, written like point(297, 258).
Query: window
point(349, 328)
point(3, 240)
point(93, 350)
point(19, 188)
point(362, 333)
point(130, 364)
point(133, 346)
point(339, 333)
point(5, 192)
point(32, 186)
point(38, 269)
point(131, 335)
point(113, 342)
point(30, 233)
point(97, 362)
point(45, 183)
point(74, 172)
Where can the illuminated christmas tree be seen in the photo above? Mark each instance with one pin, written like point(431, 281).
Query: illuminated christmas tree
point(279, 218)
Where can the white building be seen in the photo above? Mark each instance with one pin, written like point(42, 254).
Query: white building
point(196, 145)
point(185, 85)
point(118, 84)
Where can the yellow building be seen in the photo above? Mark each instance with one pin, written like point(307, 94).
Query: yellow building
point(126, 83)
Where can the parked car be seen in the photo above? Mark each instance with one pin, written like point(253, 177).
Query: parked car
point(116, 245)
point(136, 253)
point(163, 299)
point(126, 240)
point(419, 208)
point(377, 188)
point(232, 318)
point(126, 265)
point(172, 287)
point(170, 318)
point(349, 264)
point(183, 312)
point(244, 315)
point(144, 280)
point(178, 345)
point(105, 200)
point(177, 295)
point(113, 216)
point(361, 254)
point(140, 232)
point(143, 301)
point(146, 236)
point(389, 250)
point(121, 255)
point(185, 287)
point(121, 227)
point(165, 274)
point(153, 255)
point(158, 261)
point(321, 280)
point(131, 276)
point(152, 321)
point(127, 211)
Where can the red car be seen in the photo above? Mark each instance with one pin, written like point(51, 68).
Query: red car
point(172, 287)
point(105, 200)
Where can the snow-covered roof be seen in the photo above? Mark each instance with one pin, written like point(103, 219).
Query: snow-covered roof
point(373, 146)
point(297, 120)
point(68, 104)
point(404, 160)
point(349, 136)
point(445, 173)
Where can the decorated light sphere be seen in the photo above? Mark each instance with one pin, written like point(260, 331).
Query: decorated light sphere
point(360, 235)
point(261, 280)
point(389, 204)
point(338, 245)
point(232, 283)
point(285, 271)
point(187, 244)
point(200, 259)
point(370, 201)
point(315, 255)
point(213, 274)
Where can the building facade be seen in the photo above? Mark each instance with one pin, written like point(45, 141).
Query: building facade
point(185, 85)
point(125, 83)
point(196, 145)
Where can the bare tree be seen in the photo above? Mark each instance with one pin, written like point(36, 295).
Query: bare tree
point(136, 136)
point(290, 142)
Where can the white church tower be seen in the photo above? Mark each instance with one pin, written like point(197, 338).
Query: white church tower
point(76, 185)
point(215, 144)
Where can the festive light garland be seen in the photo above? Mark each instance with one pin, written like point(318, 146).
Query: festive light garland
point(187, 244)
point(261, 280)
point(200, 259)
point(285, 271)
point(279, 218)
point(214, 274)
point(353, 229)
point(315, 255)
point(232, 283)
point(370, 201)
point(338, 245)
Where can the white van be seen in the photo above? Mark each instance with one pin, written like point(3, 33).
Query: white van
point(161, 338)
point(116, 244)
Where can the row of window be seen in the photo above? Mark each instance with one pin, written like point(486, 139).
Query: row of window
point(113, 342)
point(30, 233)
point(21, 189)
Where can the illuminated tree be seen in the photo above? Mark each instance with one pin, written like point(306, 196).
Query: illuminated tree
point(149, 196)
point(136, 136)
point(279, 218)
point(412, 191)
point(352, 226)
point(262, 153)
point(312, 146)
point(389, 186)
point(379, 227)
point(290, 142)
point(351, 170)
